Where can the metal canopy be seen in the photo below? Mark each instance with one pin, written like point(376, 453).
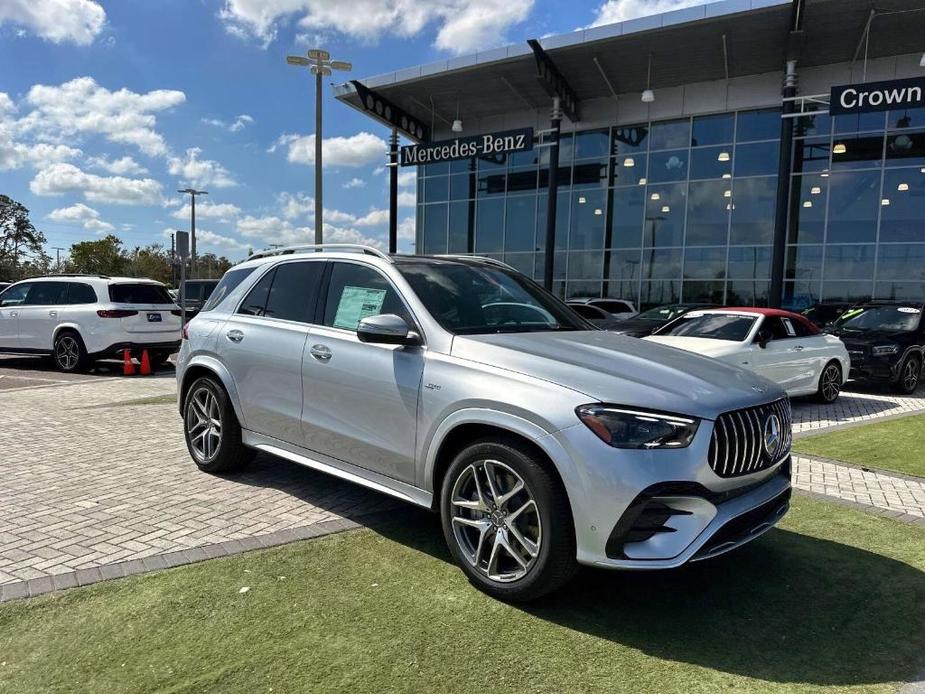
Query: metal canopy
point(682, 52)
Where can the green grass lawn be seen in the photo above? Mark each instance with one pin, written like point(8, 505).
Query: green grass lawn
point(897, 444)
point(834, 600)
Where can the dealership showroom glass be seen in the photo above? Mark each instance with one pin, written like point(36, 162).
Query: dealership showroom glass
point(672, 184)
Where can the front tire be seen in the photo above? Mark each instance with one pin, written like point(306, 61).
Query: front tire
point(212, 431)
point(909, 375)
point(70, 355)
point(830, 383)
point(507, 521)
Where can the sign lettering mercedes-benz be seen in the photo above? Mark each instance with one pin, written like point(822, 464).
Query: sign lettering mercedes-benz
point(877, 96)
point(487, 145)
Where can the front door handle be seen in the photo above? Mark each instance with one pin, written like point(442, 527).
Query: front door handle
point(798, 348)
point(234, 335)
point(13, 314)
point(53, 314)
point(321, 352)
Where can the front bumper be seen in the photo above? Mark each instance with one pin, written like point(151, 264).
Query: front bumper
point(636, 509)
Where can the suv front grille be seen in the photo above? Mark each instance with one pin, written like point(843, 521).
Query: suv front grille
point(749, 440)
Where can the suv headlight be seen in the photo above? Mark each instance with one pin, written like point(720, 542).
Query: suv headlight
point(884, 350)
point(623, 427)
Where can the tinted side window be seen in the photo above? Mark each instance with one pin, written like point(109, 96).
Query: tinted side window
point(255, 303)
point(80, 293)
point(295, 291)
point(229, 282)
point(14, 296)
point(613, 306)
point(356, 292)
point(777, 328)
point(46, 294)
point(799, 329)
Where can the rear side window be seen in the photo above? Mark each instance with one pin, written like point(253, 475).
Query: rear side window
point(229, 283)
point(139, 294)
point(294, 291)
point(255, 303)
point(80, 293)
point(589, 312)
point(46, 294)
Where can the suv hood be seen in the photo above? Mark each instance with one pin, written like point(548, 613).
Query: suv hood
point(623, 370)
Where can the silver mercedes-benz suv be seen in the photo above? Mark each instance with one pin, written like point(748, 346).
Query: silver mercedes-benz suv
point(458, 384)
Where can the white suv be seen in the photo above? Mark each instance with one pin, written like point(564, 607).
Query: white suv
point(80, 318)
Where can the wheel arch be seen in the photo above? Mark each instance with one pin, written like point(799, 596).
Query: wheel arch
point(206, 366)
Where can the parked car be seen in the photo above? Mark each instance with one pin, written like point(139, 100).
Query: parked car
point(598, 317)
point(618, 308)
point(80, 318)
point(195, 293)
point(649, 321)
point(886, 342)
point(825, 312)
point(541, 443)
point(4, 285)
point(782, 346)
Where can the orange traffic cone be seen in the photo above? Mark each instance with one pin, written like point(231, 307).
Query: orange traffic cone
point(145, 364)
point(128, 368)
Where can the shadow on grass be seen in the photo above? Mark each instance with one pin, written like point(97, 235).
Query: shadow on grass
point(787, 608)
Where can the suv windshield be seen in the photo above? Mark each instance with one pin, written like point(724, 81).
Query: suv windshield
point(475, 299)
point(713, 326)
point(881, 318)
point(662, 314)
point(139, 294)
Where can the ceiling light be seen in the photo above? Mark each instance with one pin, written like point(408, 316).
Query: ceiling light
point(727, 175)
point(666, 209)
point(629, 162)
point(825, 174)
point(723, 156)
point(730, 206)
point(643, 180)
point(648, 96)
point(923, 169)
point(903, 187)
point(807, 203)
point(885, 202)
point(598, 211)
point(922, 60)
point(839, 148)
point(655, 196)
point(815, 190)
point(581, 200)
point(727, 193)
point(457, 126)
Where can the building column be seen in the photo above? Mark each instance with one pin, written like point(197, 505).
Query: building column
point(784, 167)
point(553, 194)
point(393, 192)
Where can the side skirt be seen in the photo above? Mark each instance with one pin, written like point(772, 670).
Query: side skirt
point(338, 468)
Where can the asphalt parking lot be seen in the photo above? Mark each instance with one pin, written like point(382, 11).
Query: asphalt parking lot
point(94, 473)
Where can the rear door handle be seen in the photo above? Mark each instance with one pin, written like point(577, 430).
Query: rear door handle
point(321, 352)
point(13, 314)
point(798, 348)
point(234, 335)
point(53, 313)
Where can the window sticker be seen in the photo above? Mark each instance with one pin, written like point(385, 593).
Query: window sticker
point(908, 309)
point(788, 326)
point(851, 313)
point(357, 303)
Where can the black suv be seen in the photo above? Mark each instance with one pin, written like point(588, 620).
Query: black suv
point(886, 342)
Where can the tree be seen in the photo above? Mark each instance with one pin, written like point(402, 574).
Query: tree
point(211, 266)
point(21, 244)
point(103, 257)
point(152, 262)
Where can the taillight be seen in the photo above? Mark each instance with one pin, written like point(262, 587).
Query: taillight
point(184, 332)
point(116, 313)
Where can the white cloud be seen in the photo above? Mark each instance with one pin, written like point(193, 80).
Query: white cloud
point(612, 11)
point(14, 155)
point(406, 228)
point(406, 199)
point(208, 210)
point(373, 218)
point(82, 106)
point(462, 25)
point(357, 150)
point(121, 167)
point(207, 238)
point(272, 229)
point(79, 213)
point(407, 178)
point(59, 179)
point(77, 21)
point(239, 123)
point(199, 172)
point(354, 183)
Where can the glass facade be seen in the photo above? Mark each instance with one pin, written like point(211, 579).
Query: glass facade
point(684, 209)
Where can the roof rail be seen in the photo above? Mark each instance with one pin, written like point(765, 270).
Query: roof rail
point(483, 258)
point(298, 248)
point(80, 274)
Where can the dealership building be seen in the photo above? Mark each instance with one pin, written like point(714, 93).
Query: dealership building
point(740, 152)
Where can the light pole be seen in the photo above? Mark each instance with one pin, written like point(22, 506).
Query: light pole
point(192, 228)
point(320, 63)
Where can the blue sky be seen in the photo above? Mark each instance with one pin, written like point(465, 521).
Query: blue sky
point(106, 108)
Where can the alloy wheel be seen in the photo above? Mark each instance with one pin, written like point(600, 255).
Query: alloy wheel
point(204, 424)
point(831, 383)
point(496, 521)
point(911, 375)
point(67, 353)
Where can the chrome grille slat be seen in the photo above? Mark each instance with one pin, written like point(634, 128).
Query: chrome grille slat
point(737, 445)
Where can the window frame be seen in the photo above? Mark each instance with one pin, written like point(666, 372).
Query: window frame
point(272, 267)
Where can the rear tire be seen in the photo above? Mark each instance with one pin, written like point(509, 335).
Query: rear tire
point(211, 429)
point(909, 374)
point(513, 545)
point(830, 383)
point(70, 355)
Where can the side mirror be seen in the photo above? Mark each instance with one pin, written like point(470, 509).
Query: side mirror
point(763, 337)
point(387, 329)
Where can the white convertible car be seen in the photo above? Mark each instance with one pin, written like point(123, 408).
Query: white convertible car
point(781, 346)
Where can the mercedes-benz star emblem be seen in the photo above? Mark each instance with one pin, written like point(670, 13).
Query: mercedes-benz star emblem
point(772, 435)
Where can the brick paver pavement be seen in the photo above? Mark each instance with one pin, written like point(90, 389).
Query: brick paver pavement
point(92, 476)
